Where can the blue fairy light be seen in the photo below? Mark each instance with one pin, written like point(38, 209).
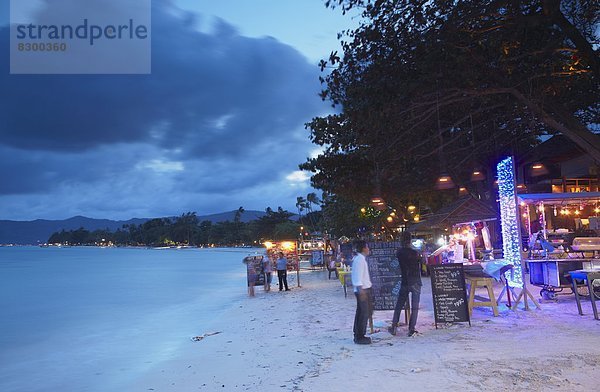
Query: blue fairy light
point(509, 220)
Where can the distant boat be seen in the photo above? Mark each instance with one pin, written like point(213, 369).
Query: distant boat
point(44, 246)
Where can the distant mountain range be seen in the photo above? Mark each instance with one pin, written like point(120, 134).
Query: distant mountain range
point(39, 230)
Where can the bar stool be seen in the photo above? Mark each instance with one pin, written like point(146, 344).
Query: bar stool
point(475, 282)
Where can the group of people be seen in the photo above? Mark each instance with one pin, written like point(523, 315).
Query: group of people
point(410, 266)
point(267, 269)
point(281, 265)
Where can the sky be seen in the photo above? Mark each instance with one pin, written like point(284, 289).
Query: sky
point(218, 124)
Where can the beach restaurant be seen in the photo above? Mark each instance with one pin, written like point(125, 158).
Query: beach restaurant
point(550, 270)
point(563, 232)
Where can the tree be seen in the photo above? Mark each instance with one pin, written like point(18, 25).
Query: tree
point(184, 229)
point(300, 205)
point(426, 86)
point(264, 227)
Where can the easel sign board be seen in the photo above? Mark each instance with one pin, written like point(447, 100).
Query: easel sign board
point(317, 258)
point(448, 287)
point(254, 267)
point(384, 270)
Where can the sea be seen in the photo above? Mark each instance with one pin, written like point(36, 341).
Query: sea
point(94, 319)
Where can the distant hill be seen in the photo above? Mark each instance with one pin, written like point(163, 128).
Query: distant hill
point(39, 230)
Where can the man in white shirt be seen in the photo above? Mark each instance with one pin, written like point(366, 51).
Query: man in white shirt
point(362, 290)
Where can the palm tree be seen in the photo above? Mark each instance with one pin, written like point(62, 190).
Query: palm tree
point(311, 199)
point(300, 204)
point(238, 214)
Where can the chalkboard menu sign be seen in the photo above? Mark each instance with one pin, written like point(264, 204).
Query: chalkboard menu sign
point(384, 270)
point(255, 270)
point(449, 293)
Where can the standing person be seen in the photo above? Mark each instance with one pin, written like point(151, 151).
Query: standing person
point(410, 265)
point(268, 268)
point(251, 274)
point(282, 272)
point(362, 290)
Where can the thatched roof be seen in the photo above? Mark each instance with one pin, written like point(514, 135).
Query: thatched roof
point(464, 210)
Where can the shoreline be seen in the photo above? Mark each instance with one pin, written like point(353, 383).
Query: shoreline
point(302, 341)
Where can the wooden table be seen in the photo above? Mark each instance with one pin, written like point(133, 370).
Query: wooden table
point(488, 283)
point(587, 276)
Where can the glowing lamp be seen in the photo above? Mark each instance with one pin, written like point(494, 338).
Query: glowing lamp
point(287, 245)
point(363, 210)
point(416, 218)
point(378, 203)
point(269, 244)
point(538, 169)
point(444, 182)
point(596, 210)
point(411, 208)
point(390, 219)
point(462, 191)
point(477, 175)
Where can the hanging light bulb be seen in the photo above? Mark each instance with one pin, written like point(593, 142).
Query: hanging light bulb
point(378, 203)
point(477, 175)
point(444, 181)
point(538, 169)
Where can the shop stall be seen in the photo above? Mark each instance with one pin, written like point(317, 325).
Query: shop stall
point(290, 252)
point(561, 233)
point(461, 231)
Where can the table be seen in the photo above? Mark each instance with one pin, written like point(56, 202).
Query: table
point(345, 278)
point(552, 273)
point(477, 281)
point(588, 276)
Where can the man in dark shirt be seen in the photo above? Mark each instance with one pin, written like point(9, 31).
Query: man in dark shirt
point(410, 266)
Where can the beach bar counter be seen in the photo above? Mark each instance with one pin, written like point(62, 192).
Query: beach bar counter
point(563, 235)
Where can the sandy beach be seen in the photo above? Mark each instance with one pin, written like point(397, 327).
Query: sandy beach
point(302, 341)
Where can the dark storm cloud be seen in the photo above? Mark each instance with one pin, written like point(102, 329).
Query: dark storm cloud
point(197, 79)
point(218, 124)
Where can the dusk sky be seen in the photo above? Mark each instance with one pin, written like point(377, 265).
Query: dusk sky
point(218, 124)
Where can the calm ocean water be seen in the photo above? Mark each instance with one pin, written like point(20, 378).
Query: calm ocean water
point(91, 319)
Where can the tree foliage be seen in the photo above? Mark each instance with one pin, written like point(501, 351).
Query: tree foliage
point(425, 86)
point(188, 230)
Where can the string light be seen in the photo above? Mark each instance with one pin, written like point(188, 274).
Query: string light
point(511, 236)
